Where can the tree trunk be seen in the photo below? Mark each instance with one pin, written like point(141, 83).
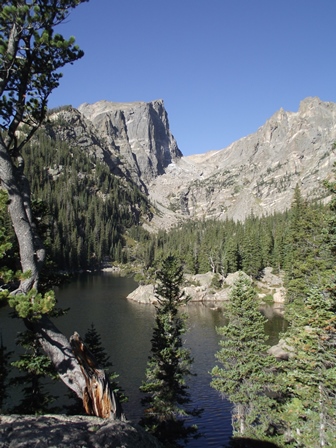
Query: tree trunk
point(98, 398)
point(31, 249)
point(78, 372)
point(58, 349)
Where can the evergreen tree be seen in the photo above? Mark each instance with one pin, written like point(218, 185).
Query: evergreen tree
point(92, 340)
point(93, 343)
point(35, 367)
point(169, 365)
point(308, 378)
point(4, 371)
point(306, 260)
point(246, 377)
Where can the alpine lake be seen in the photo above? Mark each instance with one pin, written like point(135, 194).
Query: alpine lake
point(126, 330)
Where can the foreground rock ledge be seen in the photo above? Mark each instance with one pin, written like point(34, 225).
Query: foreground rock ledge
point(61, 431)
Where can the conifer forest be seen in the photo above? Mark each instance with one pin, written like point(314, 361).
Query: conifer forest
point(288, 403)
point(64, 210)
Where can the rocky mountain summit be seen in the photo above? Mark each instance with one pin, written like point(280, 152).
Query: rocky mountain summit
point(257, 173)
point(137, 134)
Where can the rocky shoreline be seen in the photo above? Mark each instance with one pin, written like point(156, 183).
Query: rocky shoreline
point(200, 288)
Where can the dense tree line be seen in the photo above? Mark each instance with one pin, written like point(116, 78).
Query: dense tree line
point(82, 209)
point(227, 246)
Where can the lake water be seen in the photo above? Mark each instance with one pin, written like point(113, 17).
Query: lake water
point(126, 330)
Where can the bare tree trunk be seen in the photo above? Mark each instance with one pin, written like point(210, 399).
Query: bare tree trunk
point(58, 349)
point(89, 385)
point(241, 418)
point(31, 249)
point(98, 398)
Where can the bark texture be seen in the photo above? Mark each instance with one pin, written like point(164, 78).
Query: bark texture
point(58, 349)
point(98, 397)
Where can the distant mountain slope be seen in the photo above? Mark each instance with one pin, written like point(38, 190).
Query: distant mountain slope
point(257, 173)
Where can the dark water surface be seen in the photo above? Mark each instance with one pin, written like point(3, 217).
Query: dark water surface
point(126, 330)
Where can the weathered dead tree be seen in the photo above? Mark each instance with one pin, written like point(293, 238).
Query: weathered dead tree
point(98, 396)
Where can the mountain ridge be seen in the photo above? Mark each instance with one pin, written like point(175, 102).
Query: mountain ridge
point(256, 174)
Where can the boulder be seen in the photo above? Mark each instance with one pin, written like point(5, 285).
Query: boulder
point(143, 294)
point(281, 350)
point(61, 431)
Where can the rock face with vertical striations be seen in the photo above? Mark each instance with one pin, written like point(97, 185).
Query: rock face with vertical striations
point(256, 174)
point(138, 134)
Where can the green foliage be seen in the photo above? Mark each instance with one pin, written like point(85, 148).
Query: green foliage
point(307, 261)
point(5, 356)
point(222, 247)
point(31, 55)
point(246, 375)
point(308, 379)
point(35, 367)
point(32, 305)
point(85, 213)
point(92, 341)
point(169, 364)
point(6, 274)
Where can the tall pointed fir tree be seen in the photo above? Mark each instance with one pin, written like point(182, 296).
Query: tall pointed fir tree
point(35, 367)
point(246, 375)
point(308, 379)
point(93, 342)
point(170, 362)
point(5, 356)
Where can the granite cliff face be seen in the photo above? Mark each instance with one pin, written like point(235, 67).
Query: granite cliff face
point(256, 174)
point(137, 134)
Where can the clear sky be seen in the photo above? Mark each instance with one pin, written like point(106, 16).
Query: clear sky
point(222, 67)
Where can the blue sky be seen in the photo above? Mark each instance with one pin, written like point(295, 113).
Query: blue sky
point(222, 67)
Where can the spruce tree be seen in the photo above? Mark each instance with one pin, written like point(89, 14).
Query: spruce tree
point(308, 378)
point(170, 362)
point(35, 367)
point(93, 342)
point(246, 375)
point(4, 371)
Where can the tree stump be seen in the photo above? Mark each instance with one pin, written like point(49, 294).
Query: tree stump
point(98, 397)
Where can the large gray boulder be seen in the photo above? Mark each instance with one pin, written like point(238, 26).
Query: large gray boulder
point(60, 431)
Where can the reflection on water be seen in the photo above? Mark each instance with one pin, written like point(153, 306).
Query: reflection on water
point(126, 330)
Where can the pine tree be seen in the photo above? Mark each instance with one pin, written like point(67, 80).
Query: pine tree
point(92, 340)
point(4, 371)
point(246, 375)
point(34, 367)
point(308, 378)
point(169, 364)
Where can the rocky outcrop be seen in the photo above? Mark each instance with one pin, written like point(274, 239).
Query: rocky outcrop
point(257, 173)
point(282, 350)
point(200, 288)
point(47, 431)
point(138, 134)
point(70, 126)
